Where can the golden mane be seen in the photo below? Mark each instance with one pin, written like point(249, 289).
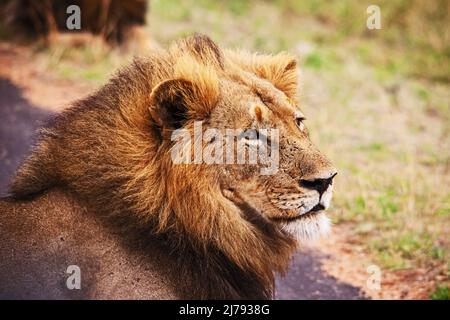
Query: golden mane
point(108, 150)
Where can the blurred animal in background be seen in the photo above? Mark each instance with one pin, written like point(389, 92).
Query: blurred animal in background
point(116, 21)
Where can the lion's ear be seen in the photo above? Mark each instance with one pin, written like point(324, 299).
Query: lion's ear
point(280, 69)
point(175, 101)
point(168, 104)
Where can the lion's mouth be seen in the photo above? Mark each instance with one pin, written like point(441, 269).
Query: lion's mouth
point(311, 213)
point(317, 207)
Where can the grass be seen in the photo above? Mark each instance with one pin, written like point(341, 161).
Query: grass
point(441, 293)
point(378, 103)
point(92, 62)
point(416, 29)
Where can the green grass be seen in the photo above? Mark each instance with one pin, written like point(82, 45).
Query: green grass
point(314, 60)
point(90, 63)
point(441, 293)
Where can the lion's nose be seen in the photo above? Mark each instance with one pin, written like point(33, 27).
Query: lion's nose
point(321, 185)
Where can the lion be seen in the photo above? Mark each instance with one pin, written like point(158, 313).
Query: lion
point(116, 21)
point(100, 190)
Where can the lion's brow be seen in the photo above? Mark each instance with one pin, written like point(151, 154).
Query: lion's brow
point(278, 104)
point(283, 108)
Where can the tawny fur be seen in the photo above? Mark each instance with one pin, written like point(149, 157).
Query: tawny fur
point(112, 150)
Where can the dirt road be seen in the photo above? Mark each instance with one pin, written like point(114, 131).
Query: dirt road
point(18, 122)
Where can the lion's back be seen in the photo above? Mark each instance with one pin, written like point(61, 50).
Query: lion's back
point(41, 238)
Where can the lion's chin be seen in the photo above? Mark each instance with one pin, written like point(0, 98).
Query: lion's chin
point(308, 227)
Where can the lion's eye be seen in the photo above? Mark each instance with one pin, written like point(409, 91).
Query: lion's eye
point(254, 137)
point(300, 124)
point(251, 136)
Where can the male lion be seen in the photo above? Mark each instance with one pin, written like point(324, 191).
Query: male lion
point(101, 191)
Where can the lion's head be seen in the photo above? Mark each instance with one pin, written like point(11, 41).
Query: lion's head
point(256, 94)
point(116, 150)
